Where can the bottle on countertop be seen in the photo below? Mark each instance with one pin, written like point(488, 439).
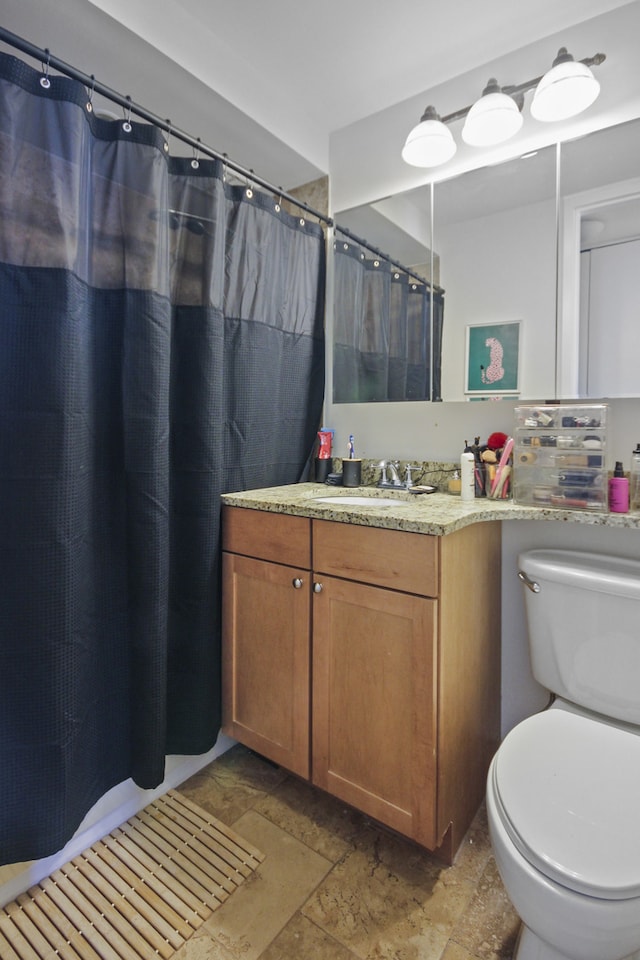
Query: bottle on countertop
point(467, 476)
point(454, 483)
point(634, 480)
point(618, 490)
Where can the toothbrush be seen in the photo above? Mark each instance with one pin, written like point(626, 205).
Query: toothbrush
point(352, 449)
point(504, 460)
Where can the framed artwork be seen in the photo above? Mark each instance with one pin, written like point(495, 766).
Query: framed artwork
point(492, 358)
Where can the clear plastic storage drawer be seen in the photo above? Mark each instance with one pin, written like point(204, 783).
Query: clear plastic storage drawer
point(559, 456)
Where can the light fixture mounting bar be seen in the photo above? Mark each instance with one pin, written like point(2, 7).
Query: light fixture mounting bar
point(521, 88)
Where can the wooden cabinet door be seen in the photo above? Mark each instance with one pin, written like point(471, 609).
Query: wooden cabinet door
point(265, 663)
point(374, 703)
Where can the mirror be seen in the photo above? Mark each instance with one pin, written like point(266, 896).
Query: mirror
point(496, 256)
point(494, 231)
point(599, 268)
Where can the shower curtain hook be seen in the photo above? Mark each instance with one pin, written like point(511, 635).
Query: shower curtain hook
point(249, 191)
point(126, 126)
point(195, 163)
point(90, 94)
point(278, 204)
point(44, 80)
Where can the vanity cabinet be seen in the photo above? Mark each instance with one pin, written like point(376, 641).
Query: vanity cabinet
point(379, 677)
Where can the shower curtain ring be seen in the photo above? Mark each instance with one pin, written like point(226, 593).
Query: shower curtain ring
point(44, 81)
point(166, 145)
point(126, 126)
point(91, 92)
point(195, 163)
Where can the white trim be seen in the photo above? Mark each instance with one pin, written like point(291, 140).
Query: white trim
point(572, 210)
point(115, 807)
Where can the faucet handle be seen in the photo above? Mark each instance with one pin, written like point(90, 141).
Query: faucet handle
point(383, 467)
point(409, 479)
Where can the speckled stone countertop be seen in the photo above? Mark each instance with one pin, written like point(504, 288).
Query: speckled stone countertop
point(434, 513)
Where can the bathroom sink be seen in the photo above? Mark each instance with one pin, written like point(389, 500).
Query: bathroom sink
point(361, 501)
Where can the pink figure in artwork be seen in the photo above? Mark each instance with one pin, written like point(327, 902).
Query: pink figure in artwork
point(495, 370)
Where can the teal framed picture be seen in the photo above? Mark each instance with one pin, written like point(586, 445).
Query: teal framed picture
point(492, 359)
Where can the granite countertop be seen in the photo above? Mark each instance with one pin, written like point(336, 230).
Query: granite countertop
point(434, 513)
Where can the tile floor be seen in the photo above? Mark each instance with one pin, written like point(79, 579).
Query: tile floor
point(335, 886)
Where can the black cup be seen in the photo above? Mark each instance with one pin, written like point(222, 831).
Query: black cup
point(323, 468)
point(351, 473)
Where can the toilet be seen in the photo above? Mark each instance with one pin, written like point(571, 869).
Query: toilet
point(563, 790)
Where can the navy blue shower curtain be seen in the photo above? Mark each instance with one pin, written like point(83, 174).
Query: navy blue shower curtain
point(161, 342)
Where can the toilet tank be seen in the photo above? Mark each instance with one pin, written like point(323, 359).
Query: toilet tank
point(584, 628)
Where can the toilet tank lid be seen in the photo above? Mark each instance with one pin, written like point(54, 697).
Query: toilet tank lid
point(589, 571)
point(569, 789)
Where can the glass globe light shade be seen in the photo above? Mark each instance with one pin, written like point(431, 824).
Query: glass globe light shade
point(492, 119)
point(430, 143)
point(565, 90)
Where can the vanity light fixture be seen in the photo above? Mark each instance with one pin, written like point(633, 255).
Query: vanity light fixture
point(430, 143)
point(494, 118)
point(567, 89)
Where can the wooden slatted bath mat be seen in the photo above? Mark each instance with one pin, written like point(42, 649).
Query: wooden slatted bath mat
point(138, 893)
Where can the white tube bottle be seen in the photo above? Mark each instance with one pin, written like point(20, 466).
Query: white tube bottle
point(468, 484)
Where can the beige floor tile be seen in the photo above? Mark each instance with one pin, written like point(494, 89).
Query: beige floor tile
point(232, 783)
point(475, 850)
point(302, 940)
point(317, 819)
point(202, 947)
point(259, 909)
point(453, 951)
point(489, 927)
point(388, 899)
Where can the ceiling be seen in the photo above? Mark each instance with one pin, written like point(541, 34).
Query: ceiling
point(269, 83)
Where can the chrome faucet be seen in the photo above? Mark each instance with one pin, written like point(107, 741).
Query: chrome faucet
point(392, 481)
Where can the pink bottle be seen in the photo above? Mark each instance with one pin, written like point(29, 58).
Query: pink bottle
point(618, 491)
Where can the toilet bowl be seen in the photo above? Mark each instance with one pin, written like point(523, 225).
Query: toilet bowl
point(563, 805)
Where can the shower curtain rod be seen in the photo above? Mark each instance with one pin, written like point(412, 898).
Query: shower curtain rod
point(49, 60)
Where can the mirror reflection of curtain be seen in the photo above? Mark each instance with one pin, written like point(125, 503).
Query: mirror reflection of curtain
point(373, 345)
point(349, 282)
point(161, 342)
point(385, 343)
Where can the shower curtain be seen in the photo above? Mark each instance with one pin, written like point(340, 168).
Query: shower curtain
point(387, 331)
point(161, 342)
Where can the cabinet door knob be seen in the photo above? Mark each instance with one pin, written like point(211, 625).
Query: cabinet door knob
point(297, 582)
point(317, 588)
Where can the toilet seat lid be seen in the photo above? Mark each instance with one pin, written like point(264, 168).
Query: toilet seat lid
point(569, 789)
